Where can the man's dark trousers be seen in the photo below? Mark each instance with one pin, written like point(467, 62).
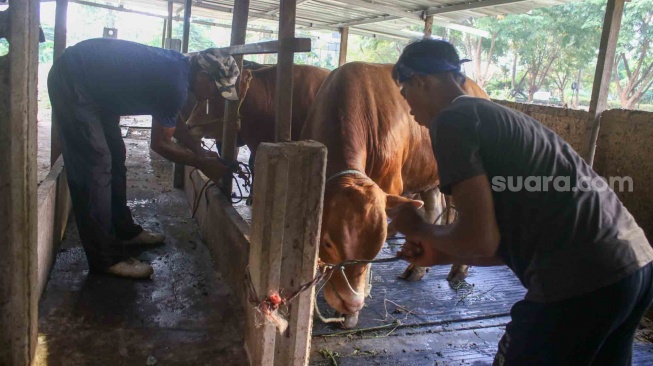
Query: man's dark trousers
point(94, 157)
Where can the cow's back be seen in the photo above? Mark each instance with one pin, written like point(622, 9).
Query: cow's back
point(365, 123)
point(258, 110)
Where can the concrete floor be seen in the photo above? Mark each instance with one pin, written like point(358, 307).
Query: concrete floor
point(184, 315)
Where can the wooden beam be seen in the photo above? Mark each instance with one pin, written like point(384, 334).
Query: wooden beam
point(275, 9)
point(379, 7)
point(467, 6)
point(286, 220)
point(186, 34)
point(342, 54)
point(603, 75)
point(176, 18)
point(293, 45)
point(428, 27)
point(230, 125)
point(18, 195)
point(285, 60)
point(360, 21)
point(61, 12)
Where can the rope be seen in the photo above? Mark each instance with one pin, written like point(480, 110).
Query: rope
point(269, 306)
point(238, 169)
point(345, 172)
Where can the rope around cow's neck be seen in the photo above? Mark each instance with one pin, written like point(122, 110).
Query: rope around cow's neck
point(346, 172)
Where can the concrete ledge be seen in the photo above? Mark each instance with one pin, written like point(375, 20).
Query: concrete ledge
point(224, 231)
point(54, 207)
point(227, 236)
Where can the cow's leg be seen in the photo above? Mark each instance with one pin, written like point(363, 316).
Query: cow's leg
point(368, 283)
point(458, 272)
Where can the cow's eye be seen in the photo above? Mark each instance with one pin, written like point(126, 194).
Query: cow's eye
point(327, 244)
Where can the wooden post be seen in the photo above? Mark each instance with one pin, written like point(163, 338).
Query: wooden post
point(342, 54)
point(186, 35)
point(61, 13)
point(284, 92)
point(284, 244)
point(230, 126)
point(428, 27)
point(612, 22)
point(18, 196)
point(170, 10)
point(163, 36)
point(179, 169)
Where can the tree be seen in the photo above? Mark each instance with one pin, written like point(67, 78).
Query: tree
point(484, 52)
point(633, 71)
point(578, 29)
point(373, 49)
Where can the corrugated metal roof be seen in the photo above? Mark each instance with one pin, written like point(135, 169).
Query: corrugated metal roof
point(386, 19)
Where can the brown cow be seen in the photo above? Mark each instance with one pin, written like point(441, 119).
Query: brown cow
point(257, 115)
point(376, 154)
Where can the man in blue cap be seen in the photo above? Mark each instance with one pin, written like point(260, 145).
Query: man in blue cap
point(94, 83)
point(585, 262)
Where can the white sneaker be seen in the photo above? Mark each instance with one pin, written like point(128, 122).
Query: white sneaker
point(145, 237)
point(131, 268)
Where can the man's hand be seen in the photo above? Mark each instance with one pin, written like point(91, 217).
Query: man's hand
point(422, 254)
point(203, 153)
point(213, 168)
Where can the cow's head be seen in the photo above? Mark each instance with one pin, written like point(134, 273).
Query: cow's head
point(354, 227)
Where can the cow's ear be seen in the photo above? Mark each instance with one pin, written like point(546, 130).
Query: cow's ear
point(394, 200)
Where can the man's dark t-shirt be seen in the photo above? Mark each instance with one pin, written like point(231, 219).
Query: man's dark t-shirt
point(560, 237)
point(128, 78)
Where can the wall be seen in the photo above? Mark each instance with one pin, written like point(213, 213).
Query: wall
point(54, 207)
point(570, 124)
point(624, 149)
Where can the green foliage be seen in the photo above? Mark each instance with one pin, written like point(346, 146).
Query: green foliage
point(544, 49)
point(373, 49)
point(634, 60)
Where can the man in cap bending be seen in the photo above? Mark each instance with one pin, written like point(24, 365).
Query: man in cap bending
point(585, 261)
point(94, 83)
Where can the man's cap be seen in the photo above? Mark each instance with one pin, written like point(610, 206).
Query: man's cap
point(222, 67)
point(426, 57)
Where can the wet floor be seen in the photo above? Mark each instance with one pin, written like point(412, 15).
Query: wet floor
point(184, 315)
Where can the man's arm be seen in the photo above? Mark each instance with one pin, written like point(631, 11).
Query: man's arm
point(162, 144)
point(472, 239)
point(182, 135)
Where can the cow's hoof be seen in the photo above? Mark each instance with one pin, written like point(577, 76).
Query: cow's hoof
point(351, 320)
point(457, 273)
point(413, 273)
